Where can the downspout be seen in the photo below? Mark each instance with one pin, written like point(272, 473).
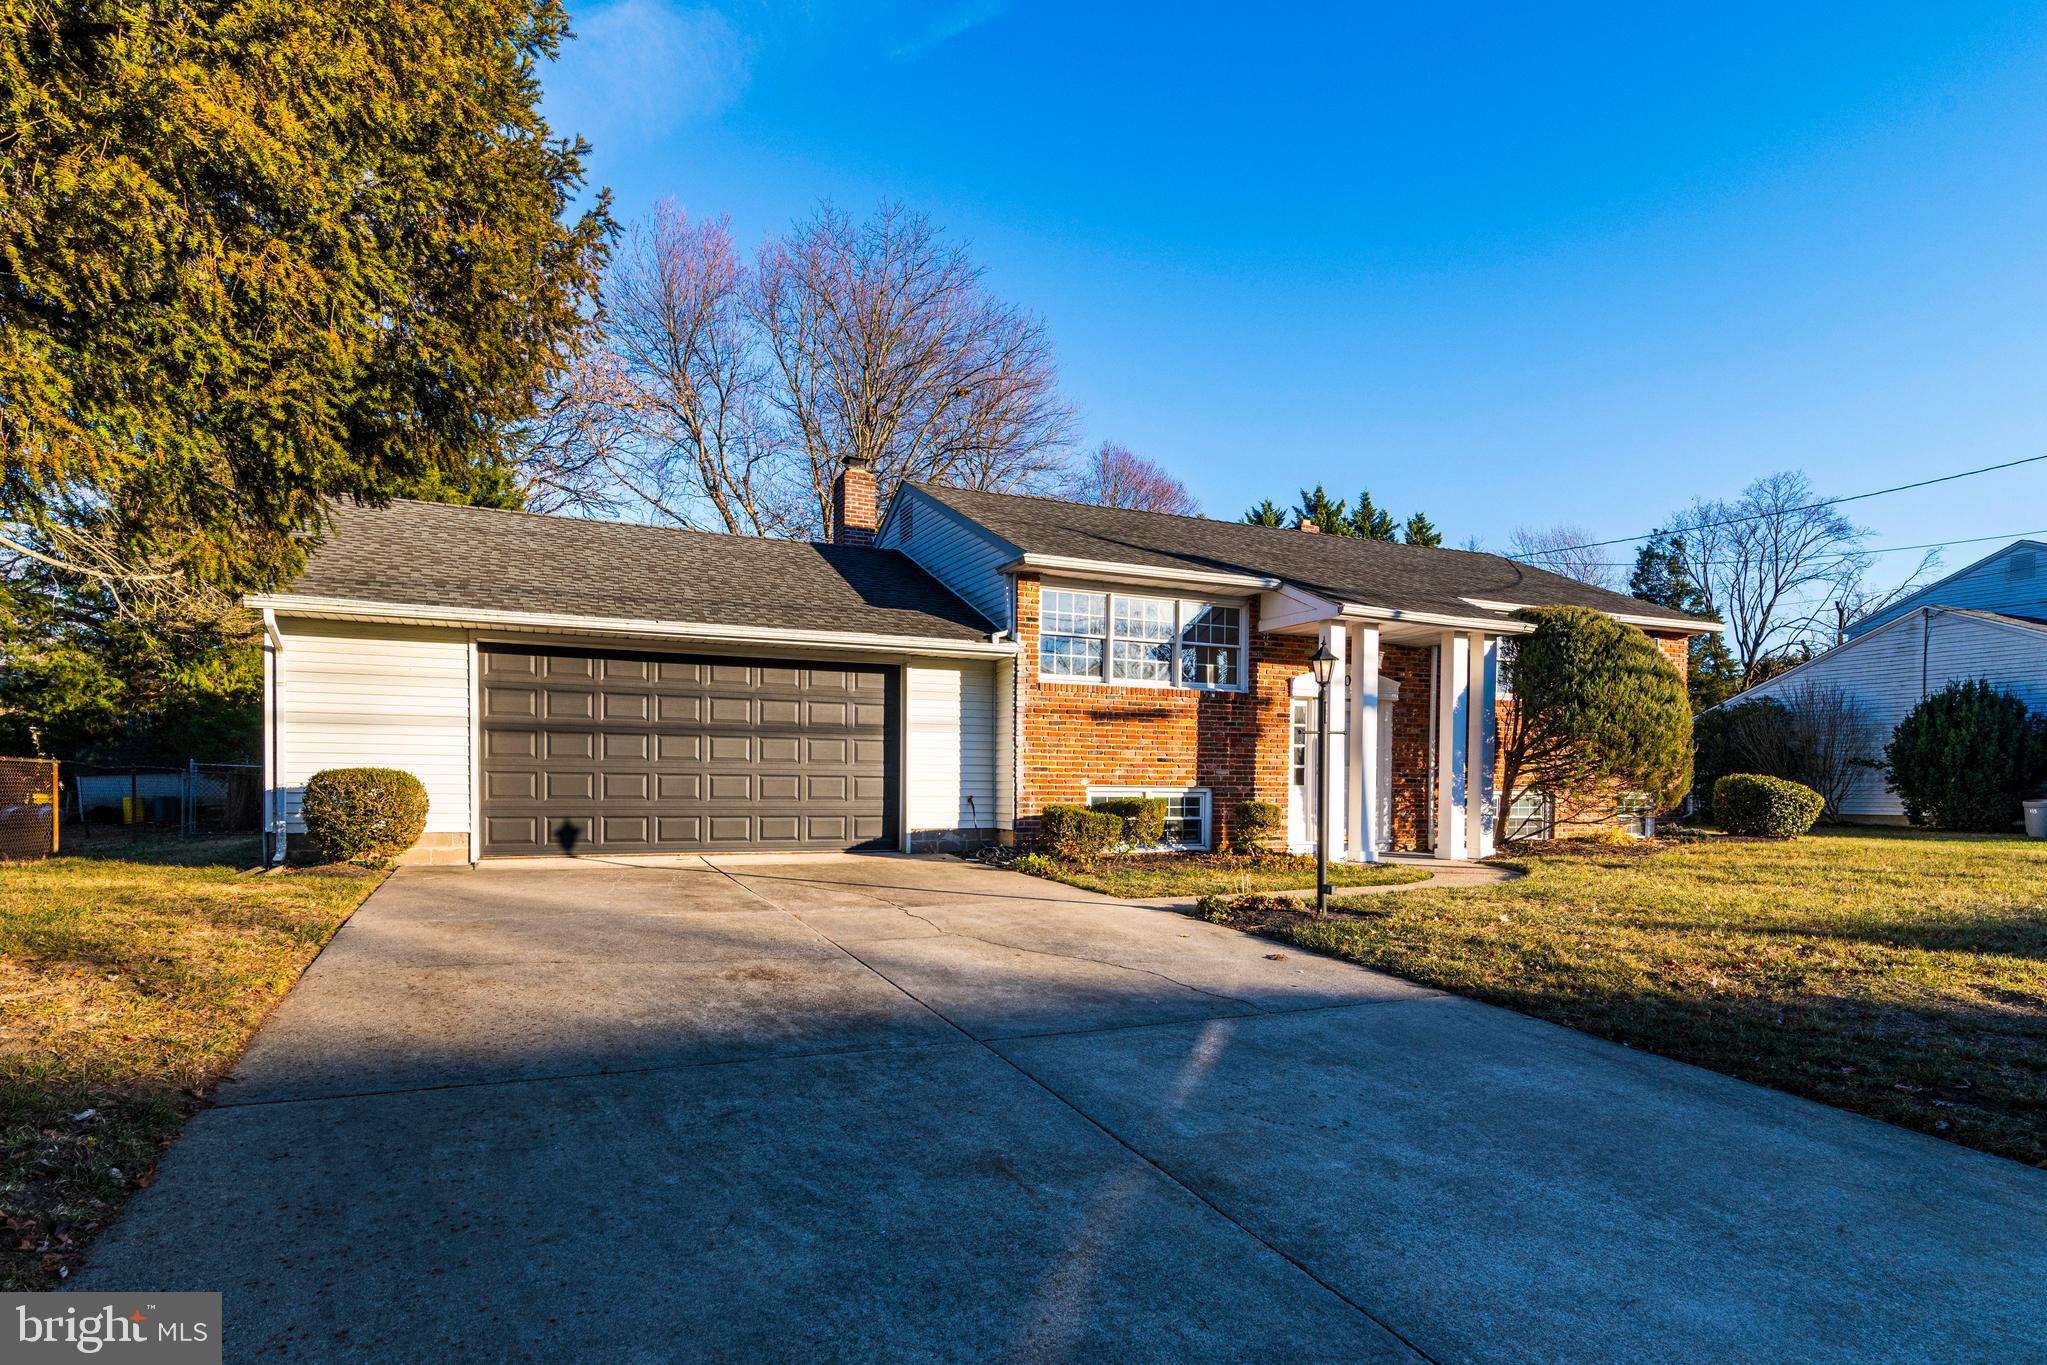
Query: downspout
point(273, 738)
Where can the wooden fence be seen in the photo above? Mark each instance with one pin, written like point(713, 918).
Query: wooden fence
point(28, 808)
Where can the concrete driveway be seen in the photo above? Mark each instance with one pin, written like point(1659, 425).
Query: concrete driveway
point(855, 1108)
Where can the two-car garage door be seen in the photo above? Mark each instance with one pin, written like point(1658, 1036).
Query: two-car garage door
point(646, 753)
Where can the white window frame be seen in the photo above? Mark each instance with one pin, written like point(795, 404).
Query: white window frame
point(1503, 668)
point(1095, 794)
point(1546, 822)
point(1185, 609)
point(1634, 813)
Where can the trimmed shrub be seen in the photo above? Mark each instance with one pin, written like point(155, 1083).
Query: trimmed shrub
point(1750, 803)
point(363, 815)
point(1253, 824)
point(1143, 817)
point(1075, 832)
point(1966, 757)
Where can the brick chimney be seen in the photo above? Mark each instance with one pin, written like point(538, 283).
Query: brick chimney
point(1310, 527)
point(854, 517)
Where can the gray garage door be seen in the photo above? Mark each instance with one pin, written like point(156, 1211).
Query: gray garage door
point(643, 753)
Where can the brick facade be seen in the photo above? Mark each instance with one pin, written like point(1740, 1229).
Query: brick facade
point(1411, 666)
point(1077, 734)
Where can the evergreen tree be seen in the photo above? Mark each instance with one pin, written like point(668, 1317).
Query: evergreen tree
point(1422, 531)
point(1327, 515)
point(1663, 576)
point(1267, 513)
point(262, 254)
point(1371, 521)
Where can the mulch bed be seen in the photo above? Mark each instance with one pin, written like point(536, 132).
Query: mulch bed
point(1271, 916)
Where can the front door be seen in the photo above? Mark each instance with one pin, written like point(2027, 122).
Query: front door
point(1302, 775)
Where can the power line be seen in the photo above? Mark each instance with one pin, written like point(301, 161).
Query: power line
point(1813, 506)
point(1856, 554)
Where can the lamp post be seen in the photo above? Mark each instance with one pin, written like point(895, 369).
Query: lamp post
point(1324, 664)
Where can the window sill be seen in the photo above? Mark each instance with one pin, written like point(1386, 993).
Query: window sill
point(1136, 685)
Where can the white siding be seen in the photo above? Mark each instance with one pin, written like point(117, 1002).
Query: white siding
point(380, 696)
point(1890, 670)
point(951, 742)
point(953, 550)
point(2013, 581)
point(1005, 745)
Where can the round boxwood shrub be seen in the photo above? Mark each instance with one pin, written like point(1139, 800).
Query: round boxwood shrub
point(1966, 757)
point(1143, 817)
point(363, 815)
point(1254, 824)
point(1075, 832)
point(1774, 807)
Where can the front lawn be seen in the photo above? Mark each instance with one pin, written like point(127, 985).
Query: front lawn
point(130, 980)
point(1899, 974)
point(1138, 875)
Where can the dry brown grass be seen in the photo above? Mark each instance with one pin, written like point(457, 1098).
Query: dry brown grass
point(131, 981)
point(1900, 974)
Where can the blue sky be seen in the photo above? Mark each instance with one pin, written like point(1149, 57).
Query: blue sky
point(1511, 265)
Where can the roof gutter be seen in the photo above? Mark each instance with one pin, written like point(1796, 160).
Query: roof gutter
point(1690, 625)
point(1491, 625)
point(350, 609)
point(1116, 572)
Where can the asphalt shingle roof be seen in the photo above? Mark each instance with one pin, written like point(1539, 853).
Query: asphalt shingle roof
point(436, 555)
point(1372, 573)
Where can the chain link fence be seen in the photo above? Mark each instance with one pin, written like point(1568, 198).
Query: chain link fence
point(28, 808)
point(131, 803)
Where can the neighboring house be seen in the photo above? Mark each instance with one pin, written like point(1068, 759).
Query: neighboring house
point(931, 683)
point(2010, 582)
point(1987, 621)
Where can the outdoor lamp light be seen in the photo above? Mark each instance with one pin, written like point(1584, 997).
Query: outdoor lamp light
point(1324, 664)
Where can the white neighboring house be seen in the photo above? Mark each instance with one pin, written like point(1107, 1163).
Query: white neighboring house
point(1988, 621)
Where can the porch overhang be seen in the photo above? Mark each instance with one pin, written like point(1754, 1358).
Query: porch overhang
point(1293, 610)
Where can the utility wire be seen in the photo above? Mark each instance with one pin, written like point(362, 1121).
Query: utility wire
point(1856, 554)
point(1812, 506)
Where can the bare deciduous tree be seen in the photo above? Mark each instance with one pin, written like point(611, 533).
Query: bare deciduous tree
point(1856, 599)
point(885, 344)
point(1814, 733)
point(1567, 550)
point(1116, 476)
point(1770, 562)
point(565, 456)
point(695, 385)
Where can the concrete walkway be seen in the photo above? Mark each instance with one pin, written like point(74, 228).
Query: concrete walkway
point(900, 1108)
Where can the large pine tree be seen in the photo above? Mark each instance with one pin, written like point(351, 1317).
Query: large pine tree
point(262, 253)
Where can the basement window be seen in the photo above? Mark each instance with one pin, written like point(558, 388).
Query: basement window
point(1532, 816)
point(1187, 812)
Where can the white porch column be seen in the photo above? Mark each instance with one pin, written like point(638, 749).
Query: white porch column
point(1478, 702)
point(1453, 706)
point(1363, 756)
point(1332, 770)
point(1487, 674)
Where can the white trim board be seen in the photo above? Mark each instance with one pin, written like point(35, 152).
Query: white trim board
point(348, 609)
